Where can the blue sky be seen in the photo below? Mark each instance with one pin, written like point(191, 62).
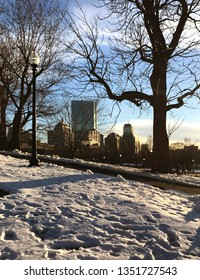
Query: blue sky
point(188, 118)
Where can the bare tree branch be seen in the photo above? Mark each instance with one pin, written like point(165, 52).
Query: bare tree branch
point(152, 43)
point(180, 99)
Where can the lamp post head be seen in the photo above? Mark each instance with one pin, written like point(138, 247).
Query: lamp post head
point(34, 59)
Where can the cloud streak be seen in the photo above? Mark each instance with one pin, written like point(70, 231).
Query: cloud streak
point(143, 128)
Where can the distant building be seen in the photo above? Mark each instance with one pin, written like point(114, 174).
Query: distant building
point(191, 148)
point(128, 144)
point(26, 138)
point(112, 144)
point(60, 138)
point(84, 122)
point(188, 155)
point(84, 115)
point(128, 130)
point(91, 137)
point(122, 149)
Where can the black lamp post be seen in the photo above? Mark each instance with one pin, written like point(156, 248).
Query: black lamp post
point(34, 60)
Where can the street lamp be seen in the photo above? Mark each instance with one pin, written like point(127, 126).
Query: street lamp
point(34, 60)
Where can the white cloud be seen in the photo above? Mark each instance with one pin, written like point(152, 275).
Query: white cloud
point(143, 128)
point(187, 130)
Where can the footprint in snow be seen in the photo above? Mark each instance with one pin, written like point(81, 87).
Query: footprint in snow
point(8, 235)
point(84, 196)
point(8, 254)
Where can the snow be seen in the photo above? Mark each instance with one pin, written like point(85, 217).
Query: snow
point(53, 212)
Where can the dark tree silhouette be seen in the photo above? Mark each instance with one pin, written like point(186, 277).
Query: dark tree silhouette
point(153, 58)
point(29, 25)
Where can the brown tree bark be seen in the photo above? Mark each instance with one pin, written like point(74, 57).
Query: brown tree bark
point(158, 79)
point(14, 142)
point(161, 154)
point(3, 104)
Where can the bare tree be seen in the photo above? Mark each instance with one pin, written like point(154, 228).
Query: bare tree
point(31, 25)
point(173, 125)
point(153, 61)
point(150, 143)
point(7, 80)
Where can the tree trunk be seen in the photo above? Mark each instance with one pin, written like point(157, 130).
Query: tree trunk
point(161, 154)
point(15, 137)
point(3, 138)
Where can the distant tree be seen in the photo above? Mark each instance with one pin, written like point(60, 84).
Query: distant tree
point(153, 59)
point(174, 125)
point(150, 143)
point(30, 25)
point(187, 141)
point(177, 146)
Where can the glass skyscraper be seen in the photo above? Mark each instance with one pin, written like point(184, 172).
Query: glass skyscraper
point(84, 115)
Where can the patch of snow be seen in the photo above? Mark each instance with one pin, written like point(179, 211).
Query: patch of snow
point(120, 178)
point(61, 213)
point(16, 151)
point(89, 171)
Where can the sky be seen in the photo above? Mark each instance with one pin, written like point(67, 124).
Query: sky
point(187, 118)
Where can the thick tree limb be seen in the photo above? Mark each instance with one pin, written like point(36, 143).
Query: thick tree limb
point(180, 99)
point(180, 27)
point(135, 97)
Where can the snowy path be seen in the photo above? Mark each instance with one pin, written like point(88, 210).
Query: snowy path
point(58, 213)
point(189, 183)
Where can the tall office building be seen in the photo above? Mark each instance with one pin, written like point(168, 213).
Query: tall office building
point(112, 144)
point(84, 115)
point(128, 144)
point(128, 129)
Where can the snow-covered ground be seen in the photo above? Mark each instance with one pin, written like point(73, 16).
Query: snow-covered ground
point(54, 212)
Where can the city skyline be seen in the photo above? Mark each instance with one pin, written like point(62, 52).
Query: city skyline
point(187, 119)
point(187, 116)
point(143, 128)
